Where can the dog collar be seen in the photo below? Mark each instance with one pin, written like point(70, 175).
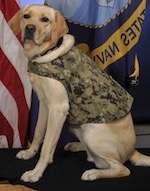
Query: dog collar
point(51, 49)
point(55, 47)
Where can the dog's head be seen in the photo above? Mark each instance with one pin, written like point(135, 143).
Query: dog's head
point(41, 27)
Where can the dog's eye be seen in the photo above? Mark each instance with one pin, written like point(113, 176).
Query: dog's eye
point(26, 16)
point(45, 19)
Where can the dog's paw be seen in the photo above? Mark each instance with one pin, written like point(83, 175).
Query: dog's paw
point(74, 147)
point(31, 176)
point(25, 154)
point(90, 175)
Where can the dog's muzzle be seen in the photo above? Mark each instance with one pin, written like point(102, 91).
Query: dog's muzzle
point(29, 32)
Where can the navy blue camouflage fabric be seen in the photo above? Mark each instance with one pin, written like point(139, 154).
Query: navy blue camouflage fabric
point(94, 96)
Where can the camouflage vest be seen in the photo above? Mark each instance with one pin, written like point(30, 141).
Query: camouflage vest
point(94, 96)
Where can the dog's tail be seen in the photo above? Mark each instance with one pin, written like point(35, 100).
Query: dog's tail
point(139, 159)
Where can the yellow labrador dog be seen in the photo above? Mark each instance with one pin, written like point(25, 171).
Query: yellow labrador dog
point(105, 131)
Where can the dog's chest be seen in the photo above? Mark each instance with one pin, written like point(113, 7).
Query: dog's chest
point(94, 97)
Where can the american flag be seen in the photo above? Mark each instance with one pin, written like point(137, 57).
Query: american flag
point(15, 89)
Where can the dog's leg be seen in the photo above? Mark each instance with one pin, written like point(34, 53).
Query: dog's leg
point(74, 147)
point(38, 136)
point(56, 119)
point(78, 146)
point(55, 97)
point(106, 155)
point(102, 147)
point(139, 159)
point(116, 170)
point(109, 147)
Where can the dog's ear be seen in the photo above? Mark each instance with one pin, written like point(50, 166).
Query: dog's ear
point(60, 27)
point(14, 23)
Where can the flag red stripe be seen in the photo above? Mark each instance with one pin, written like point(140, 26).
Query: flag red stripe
point(9, 13)
point(11, 7)
point(6, 130)
point(15, 87)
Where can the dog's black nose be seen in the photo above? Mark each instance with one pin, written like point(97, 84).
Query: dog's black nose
point(30, 29)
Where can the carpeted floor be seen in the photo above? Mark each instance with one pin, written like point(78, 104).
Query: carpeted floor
point(8, 187)
point(65, 173)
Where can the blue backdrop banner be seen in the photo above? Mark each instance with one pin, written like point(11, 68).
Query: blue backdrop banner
point(108, 31)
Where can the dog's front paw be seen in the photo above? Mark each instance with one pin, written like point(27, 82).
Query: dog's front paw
point(25, 154)
point(31, 176)
point(90, 175)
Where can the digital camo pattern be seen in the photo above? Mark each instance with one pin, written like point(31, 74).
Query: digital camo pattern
point(94, 96)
